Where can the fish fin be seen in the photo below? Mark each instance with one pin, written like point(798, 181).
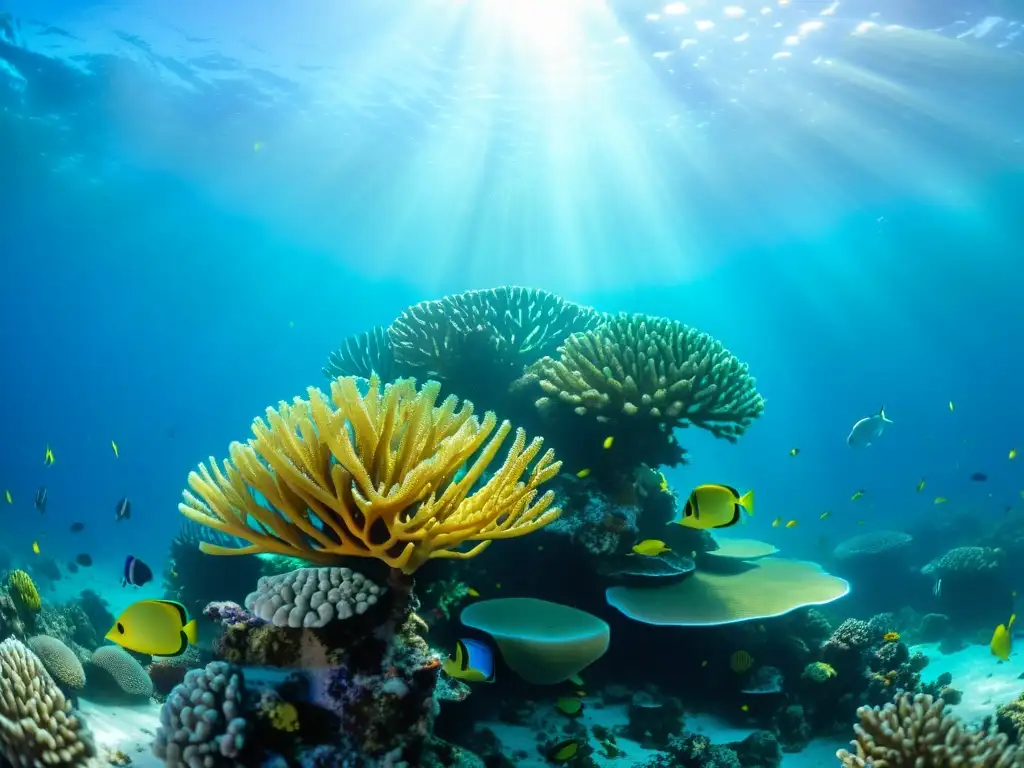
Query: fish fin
point(735, 493)
point(191, 632)
point(747, 502)
point(883, 417)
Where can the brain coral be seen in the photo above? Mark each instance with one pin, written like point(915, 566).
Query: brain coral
point(59, 660)
point(966, 561)
point(129, 674)
point(37, 726)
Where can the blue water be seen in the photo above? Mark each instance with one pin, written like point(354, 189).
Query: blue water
point(198, 204)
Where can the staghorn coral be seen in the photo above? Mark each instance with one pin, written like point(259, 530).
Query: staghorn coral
point(374, 475)
point(312, 597)
point(512, 325)
point(913, 731)
point(653, 372)
point(37, 725)
point(363, 355)
point(203, 720)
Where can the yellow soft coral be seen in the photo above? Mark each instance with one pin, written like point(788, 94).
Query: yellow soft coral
point(24, 591)
point(819, 672)
point(387, 474)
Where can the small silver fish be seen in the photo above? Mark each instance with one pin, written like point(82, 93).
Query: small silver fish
point(869, 429)
point(937, 589)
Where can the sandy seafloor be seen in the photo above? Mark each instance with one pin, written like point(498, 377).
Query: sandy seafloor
point(985, 682)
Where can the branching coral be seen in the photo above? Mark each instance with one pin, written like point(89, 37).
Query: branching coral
point(363, 355)
point(511, 324)
point(373, 475)
point(637, 369)
point(914, 731)
point(24, 592)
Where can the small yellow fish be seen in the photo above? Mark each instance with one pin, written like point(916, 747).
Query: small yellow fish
point(1002, 640)
point(650, 548)
point(607, 443)
point(48, 458)
point(9, 499)
point(776, 522)
point(154, 627)
point(745, 708)
point(791, 524)
point(951, 406)
point(1013, 454)
point(472, 592)
point(941, 499)
point(117, 453)
point(920, 485)
point(794, 451)
point(857, 495)
point(35, 547)
point(583, 474)
point(824, 515)
point(663, 482)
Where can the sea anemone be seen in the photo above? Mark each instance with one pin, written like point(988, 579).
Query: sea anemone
point(891, 637)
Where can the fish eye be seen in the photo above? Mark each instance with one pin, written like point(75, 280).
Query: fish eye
point(120, 628)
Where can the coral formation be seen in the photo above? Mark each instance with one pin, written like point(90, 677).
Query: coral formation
point(59, 660)
point(373, 476)
point(23, 590)
point(915, 731)
point(543, 642)
point(37, 725)
point(871, 544)
point(202, 722)
point(312, 597)
point(363, 355)
point(124, 670)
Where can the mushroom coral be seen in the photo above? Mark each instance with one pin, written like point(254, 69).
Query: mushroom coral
point(544, 643)
point(388, 474)
point(766, 588)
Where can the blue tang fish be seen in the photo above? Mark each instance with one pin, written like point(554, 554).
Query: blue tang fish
point(869, 429)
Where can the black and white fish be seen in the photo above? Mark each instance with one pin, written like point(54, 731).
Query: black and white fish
point(123, 510)
point(41, 499)
point(136, 572)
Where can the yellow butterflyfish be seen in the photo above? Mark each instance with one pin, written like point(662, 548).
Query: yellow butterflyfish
point(117, 453)
point(48, 457)
point(607, 443)
point(1013, 454)
point(35, 547)
point(583, 474)
point(154, 627)
point(1002, 640)
point(715, 506)
point(791, 524)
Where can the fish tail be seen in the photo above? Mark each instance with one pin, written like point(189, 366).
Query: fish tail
point(1009, 624)
point(191, 632)
point(747, 501)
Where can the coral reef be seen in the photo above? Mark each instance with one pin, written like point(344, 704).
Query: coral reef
point(60, 661)
point(37, 725)
point(25, 595)
point(312, 597)
point(364, 355)
point(115, 671)
point(202, 722)
point(915, 731)
point(341, 480)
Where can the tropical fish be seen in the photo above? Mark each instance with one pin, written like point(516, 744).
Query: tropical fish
point(951, 406)
point(941, 499)
point(583, 474)
point(136, 572)
point(794, 451)
point(1002, 640)
point(40, 502)
point(84, 560)
point(608, 442)
point(920, 485)
point(1013, 454)
point(156, 627)
point(979, 477)
point(77, 527)
point(472, 592)
point(72, 567)
point(117, 453)
point(563, 751)
point(48, 457)
point(35, 547)
point(857, 495)
point(791, 524)
point(650, 548)
point(9, 499)
point(473, 662)
point(663, 482)
point(123, 510)
point(868, 429)
point(715, 506)
point(776, 522)
point(569, 706)
point(824, 515)
point(745, 708)
point(741, 662)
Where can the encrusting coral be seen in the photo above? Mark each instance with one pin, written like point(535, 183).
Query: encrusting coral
point(914, 731)
point(37, 725)
point(312, 597)
point(374, 475)
point(641, 368)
